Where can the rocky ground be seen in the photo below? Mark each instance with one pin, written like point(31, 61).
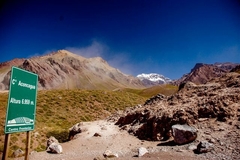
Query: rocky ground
point(86, 146)
point(213, 109)
point(110, 137)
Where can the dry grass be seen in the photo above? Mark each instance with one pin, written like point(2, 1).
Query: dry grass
point(165, 89)
point(58, 110)
point(3, 106)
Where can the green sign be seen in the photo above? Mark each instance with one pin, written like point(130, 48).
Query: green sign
point(21, 101)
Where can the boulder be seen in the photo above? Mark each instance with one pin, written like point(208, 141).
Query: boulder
point(97, 135)
point(74, 130)
point(55, 148)
point(204, 147)
point(53, 145)
point(142, 151)
point(18, 153)
point(109, 154)
point(51, 140)
point(183, 134)
point(192, 147)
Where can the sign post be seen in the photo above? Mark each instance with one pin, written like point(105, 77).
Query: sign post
point(22, 101)
point(6, 144)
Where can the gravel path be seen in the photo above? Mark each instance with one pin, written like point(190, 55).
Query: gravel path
point(87, 147)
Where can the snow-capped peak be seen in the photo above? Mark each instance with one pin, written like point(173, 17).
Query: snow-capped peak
point(154, 77)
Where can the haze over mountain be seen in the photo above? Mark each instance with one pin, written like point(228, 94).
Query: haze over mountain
point(65, 70)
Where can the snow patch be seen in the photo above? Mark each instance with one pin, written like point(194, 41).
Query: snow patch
point(154, 77)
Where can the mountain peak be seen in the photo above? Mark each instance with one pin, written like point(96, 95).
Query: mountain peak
point(63, 53)
point(152, 79)
point(197, 65)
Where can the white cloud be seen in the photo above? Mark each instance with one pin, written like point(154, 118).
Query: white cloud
point(118, 60)
point(41, 54)
point(96, 49)
point(122, 62)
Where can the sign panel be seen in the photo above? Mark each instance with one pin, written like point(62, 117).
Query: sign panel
point(22, 101)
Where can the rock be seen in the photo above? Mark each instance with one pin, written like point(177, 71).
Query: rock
point(53, 145)
point(179, 150)
point(202, 119)
point(221, 129)
point(154, 99)
point(55, 148)
point(208, 132)
point(36, 134)
point(204, 147)
point(97, 135)
point(109, 154)
point(189, 85)
point(33, 152)
point(51, 140)
point(211, 140)
point(238, 125)
point(221, 143)
point(142, 151)
point(74, 130)
point(18, 153)
point(183, 134)
point(192, 147)
point(103, 128)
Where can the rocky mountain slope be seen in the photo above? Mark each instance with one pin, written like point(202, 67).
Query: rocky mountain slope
point(236, 69)
point(153, 79)
point(65, 70)
point(4, 72)
point(202, 73)
point(212, 108)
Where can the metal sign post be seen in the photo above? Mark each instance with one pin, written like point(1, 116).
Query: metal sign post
point(22, 101)
point(6, 144)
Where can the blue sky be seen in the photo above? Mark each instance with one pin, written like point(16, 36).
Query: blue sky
point(161, 36)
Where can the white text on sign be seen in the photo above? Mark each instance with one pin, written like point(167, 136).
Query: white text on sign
point(22, 101)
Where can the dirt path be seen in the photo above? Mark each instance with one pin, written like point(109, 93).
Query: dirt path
point(87, 147)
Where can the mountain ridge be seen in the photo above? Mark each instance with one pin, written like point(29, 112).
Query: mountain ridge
point(201, 73)
point(66, 70)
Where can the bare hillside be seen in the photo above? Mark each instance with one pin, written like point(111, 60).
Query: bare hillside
point(65, 70)
point(202, 73)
